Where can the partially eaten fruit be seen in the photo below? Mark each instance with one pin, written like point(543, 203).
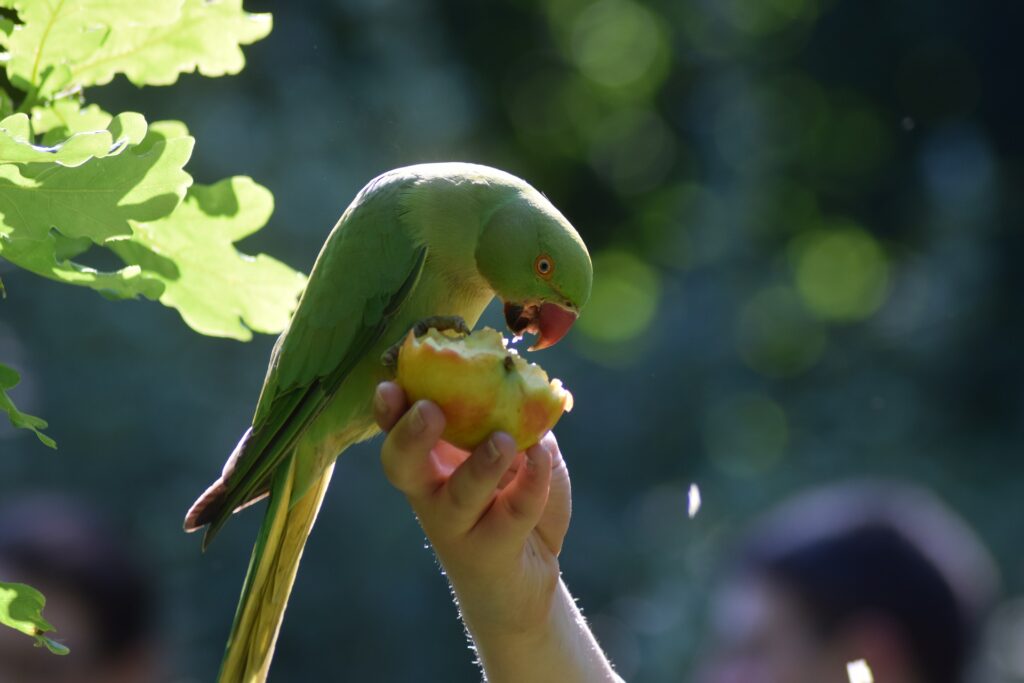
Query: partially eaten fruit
point(481, 386)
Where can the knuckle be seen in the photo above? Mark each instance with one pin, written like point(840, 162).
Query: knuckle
point(464, 491)
point(457, 496)
point(519, 508)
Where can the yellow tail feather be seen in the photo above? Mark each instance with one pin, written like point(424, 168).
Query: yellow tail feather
point(275, 560)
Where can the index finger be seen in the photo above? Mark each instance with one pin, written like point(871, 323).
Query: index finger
point(406, 453)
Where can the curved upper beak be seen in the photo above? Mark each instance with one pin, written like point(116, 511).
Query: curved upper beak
point(550, 322)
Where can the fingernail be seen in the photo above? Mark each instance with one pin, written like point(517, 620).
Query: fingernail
point(493, 452)
point(416, 422)
point(379, 404)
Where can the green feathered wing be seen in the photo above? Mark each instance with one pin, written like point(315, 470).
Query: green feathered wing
point(366, 270)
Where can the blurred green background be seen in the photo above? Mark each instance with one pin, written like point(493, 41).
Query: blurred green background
point(805, 218)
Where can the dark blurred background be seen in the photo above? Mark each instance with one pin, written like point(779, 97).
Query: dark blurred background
point(805, 219)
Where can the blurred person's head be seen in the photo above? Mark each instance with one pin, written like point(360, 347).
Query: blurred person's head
point(97, 596)
point(880, 572)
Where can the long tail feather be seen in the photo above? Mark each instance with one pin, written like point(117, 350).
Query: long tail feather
point(275, 560)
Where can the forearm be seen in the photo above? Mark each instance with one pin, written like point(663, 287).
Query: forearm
point(561, 649)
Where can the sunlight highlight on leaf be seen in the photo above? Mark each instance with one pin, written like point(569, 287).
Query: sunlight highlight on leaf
point(206, 37)
point(54, 34)
point(63, 118)
point(16, 144)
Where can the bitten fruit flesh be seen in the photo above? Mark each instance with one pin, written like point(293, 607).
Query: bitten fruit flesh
point(481, 386)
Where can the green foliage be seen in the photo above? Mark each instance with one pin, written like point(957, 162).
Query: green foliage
point(94, 200)
point(21, 608)
point(252, 293)
point(75, 178)
point(16, 145)
point(54, 35)
point(205, 36)
point(8, 380)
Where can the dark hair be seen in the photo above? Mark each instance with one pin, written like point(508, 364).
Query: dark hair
point(53, 540)
point(880, 549)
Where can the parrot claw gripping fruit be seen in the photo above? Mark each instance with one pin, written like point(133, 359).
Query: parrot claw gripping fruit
point(453, 323)
point(481, 386)
point(441, 323)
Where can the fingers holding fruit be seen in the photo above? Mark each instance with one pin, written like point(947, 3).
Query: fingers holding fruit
point(407, 451)
point(521, 504)
point(472, 486)
point(473, 392)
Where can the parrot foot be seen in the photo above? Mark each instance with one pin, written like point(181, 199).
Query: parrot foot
point(439, 322)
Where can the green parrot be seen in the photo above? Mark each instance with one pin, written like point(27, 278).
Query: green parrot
point(432, 241)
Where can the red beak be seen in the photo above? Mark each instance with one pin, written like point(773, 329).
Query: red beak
point(553, 322)
point(550, 322)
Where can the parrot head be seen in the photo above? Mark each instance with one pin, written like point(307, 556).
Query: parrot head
point(536, 263)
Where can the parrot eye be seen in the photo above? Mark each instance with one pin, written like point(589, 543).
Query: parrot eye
point(544, 266)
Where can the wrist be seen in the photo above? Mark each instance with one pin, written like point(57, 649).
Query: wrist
point(559, 648)
point(511, 605)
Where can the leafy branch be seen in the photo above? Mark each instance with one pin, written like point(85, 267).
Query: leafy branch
point(74, 178)
point(21, 608)
point(8, 379)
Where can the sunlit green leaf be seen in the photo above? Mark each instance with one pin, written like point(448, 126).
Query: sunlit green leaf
point(6, 105)
point(206, 37)
point(6, 27)
point(63, 118)
point(56, 33)
point(181, 254)
point(8, 380)
point(95, 200)
point(21, 608)
point(217, 290)
point(16, 141)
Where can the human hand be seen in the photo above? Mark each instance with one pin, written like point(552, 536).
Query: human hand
point(496, 518)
